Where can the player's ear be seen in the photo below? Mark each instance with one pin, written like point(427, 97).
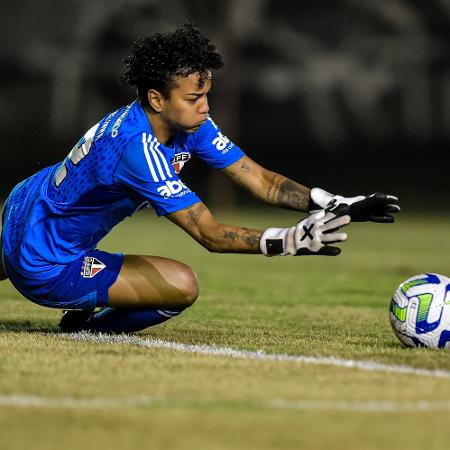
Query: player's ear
point(155, 100)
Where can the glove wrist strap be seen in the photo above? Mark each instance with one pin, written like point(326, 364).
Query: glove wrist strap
point(275, 241)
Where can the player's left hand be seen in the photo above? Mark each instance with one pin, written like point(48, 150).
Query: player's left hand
point(311, 236)
point(376, 207)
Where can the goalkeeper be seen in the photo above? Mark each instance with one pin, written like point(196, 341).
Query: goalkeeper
point(53, 221)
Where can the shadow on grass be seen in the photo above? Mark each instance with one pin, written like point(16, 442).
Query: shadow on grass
point(28, 326)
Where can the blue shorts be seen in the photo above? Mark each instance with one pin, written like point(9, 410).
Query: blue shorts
point(83, 284)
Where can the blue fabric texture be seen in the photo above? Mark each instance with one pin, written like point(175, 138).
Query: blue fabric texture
point(55, 217)
point(112, 320)
point(83, 284)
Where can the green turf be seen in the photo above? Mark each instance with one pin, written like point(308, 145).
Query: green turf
point(298, 306)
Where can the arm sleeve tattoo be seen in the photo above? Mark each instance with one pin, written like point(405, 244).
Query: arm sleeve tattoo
point(283, 192)
point(219, 237)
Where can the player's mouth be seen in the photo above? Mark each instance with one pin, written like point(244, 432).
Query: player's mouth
point(198, 124)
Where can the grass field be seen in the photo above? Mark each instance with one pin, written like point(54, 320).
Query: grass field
point(58, 392)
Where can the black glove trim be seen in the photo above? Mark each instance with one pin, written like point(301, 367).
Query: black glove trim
point(274, 247)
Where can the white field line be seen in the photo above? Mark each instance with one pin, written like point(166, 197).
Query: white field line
point(362, 406)
point(34, 401)
point(76, 403)
point(259, 355)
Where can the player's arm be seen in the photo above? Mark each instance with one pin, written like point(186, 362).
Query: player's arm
point(279, 190)
point(199, 223)
point(269, 186)
point(311, 236)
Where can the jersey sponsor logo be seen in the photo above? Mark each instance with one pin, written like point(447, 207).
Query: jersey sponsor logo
point(179, 161)
point(173, 189)
point(91, 267)
point(157, 163)
point(222, 143)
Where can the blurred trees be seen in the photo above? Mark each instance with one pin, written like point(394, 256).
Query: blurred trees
point(312, 90)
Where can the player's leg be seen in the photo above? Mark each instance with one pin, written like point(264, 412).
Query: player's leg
point(148, 291)
point(152, 281)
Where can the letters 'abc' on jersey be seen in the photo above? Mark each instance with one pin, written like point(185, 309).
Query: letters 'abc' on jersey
point(116, 168)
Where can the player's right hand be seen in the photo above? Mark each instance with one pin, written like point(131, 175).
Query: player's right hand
point(311, 236)
point(377, 207)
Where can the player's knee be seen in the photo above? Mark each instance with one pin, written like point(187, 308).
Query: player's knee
point(188, 285)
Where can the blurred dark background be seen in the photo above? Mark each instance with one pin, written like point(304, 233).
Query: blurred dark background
point(352, 96)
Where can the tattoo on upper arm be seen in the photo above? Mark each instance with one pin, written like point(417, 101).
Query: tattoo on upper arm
point(194, 213)
point(237, 175)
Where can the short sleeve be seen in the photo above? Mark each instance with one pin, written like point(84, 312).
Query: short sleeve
point(145, 169)
point(213, 147)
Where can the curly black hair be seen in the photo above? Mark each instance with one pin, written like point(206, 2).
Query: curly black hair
point(156, 60)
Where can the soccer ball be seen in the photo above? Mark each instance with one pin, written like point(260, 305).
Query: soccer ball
point(420, 311)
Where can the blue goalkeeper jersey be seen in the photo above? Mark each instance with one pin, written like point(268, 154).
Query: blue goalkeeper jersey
point(116, 168)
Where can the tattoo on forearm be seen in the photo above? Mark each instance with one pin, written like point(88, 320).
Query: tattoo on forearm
point(286, 193)
point(273, 188)
point(245, 167)
point(231, 235)
point(251, 238)
point(195, 213)
point(291, 195)
point(238, 236)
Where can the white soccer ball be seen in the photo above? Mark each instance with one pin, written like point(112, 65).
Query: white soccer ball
point(420, 311)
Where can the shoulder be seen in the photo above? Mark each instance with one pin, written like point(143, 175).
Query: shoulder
point(122, 125)
point(123, 131)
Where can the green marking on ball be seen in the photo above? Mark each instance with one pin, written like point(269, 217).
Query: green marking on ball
point(399, 313)
point(412, 283)
point(424, 306)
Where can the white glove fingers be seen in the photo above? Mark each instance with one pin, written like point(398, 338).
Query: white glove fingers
point(320, 197)
point(334, 237)
point(335, 223)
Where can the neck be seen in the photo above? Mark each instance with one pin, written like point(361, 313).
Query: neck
point(161, 129)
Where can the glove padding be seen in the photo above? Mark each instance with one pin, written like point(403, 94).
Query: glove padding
point(376, 207)
point(311, 236)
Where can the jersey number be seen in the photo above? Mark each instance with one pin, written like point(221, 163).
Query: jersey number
point(80, 151)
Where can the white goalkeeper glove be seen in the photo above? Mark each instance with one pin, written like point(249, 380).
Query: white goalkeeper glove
point(377, 207)
point(311, 236)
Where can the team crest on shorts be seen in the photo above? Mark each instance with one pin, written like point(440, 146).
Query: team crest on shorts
point(91, 267)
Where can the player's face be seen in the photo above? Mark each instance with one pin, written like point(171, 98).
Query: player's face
point(187, 107)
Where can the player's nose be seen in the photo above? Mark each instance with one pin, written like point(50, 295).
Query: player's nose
point(204, 107)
